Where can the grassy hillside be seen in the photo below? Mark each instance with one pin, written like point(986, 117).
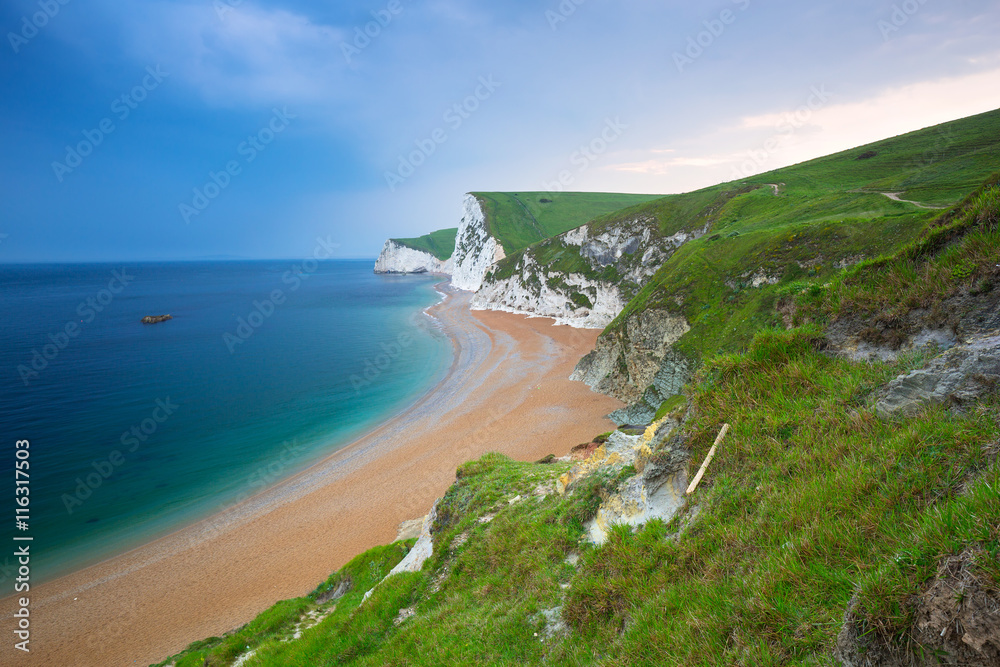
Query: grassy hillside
point(519, 219)
point(813, 501)
point(441, 243)
point(821, 214)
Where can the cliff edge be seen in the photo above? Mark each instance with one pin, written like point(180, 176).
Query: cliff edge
point(398, 258)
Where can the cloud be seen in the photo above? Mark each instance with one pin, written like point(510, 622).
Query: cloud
point(243, 55)
point(895, 111)
point(664, 166)
point(745, 145)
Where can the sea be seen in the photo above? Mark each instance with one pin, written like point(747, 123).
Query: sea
point(135, 430)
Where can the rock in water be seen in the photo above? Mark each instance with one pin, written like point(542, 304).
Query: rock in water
point(156, 319)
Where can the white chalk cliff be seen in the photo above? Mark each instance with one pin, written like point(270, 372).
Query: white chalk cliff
point(398, 258)
point(615, 261)
point(476, 250)
point(548, 296)
point(618, 260)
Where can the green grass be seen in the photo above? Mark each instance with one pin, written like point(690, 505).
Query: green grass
point(829, 211)
point(811, 492)
point(441, 243)
point(679, 213)
point(963, 247)
point(518, 219)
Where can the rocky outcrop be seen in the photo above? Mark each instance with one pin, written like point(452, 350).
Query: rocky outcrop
point(637, 365)
point(398, 258)
point(421, 551)
point(884, 336)
point(615, 453)
point(156, 319)
point(612, 262)
point(959, 376)
point(476, 250)
point(656, 491)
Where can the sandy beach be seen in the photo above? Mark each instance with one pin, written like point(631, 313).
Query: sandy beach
point(506, 391)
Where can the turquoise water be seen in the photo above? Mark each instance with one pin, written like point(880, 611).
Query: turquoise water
point(136, 430)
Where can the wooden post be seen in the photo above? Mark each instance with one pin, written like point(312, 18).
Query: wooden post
point(708, 459)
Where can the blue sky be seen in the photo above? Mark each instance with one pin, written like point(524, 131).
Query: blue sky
point(250, 128)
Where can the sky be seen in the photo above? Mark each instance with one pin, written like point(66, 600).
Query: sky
point(195, 129)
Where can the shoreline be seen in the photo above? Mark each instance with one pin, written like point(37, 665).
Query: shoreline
point(506, 390)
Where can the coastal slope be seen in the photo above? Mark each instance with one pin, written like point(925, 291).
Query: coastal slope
point(496, 224)
point(770, 238)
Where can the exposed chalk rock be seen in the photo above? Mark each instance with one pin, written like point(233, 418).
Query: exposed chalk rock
point(637, 364)
point(656, 491)
point(618, 452)
point(397, 258)
point(960, 375)
point(616, 263)
point(410, 529)
point(549, 298)
point(421, 551)
point(476, 250)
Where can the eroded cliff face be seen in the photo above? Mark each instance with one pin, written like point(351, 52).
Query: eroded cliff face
point(397, 258)
point(570, 298)
point(607, 267)
point(637, 364)
point(476, 250)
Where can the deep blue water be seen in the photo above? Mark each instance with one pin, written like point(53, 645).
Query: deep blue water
point(138, 429)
